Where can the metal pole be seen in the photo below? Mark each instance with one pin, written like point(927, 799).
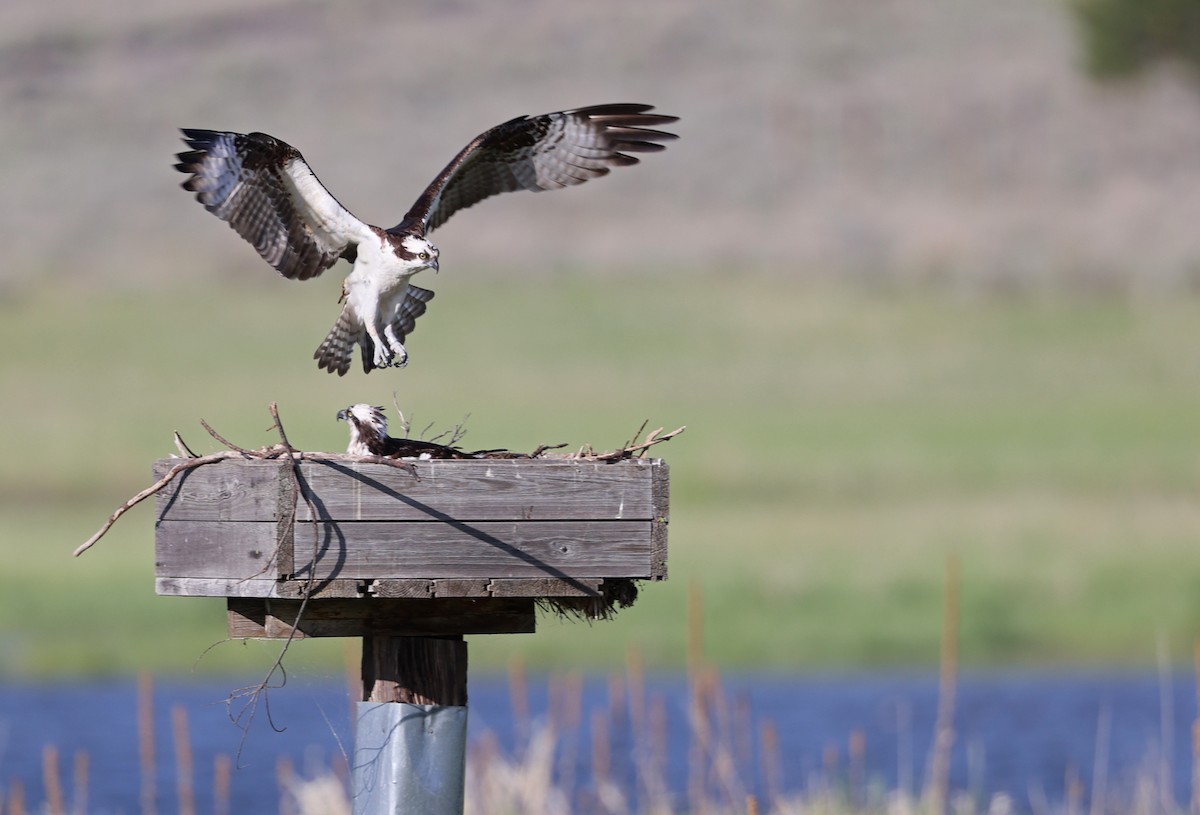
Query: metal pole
point(409, 759)
point(410, 746)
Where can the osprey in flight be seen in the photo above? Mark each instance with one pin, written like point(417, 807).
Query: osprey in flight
point(266, 191)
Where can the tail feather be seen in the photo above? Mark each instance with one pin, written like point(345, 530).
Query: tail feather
point(337, 349)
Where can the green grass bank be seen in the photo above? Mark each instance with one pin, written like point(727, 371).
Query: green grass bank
point(840, 443)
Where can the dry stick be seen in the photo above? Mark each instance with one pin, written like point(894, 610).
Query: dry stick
point(222, 455)
point(263, 688)
point(631, 449)
point(186, 464)
point(226, 442)
point(181, 446)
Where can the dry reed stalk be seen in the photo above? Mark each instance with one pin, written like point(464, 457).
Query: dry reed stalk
point(566, 717)
point(751, 805)
point(695, 626)
point(145, 721)
point(1166, 725)
point(352, 670)
point(285, 777)
point(16, 798)
point(743, 735)
point(768, 739)
point(722, 761)
point(646, 745)
point(696, 702)
point(1074, 791)
point(635, 681)
point(601, 749)
point(183, 761)
point(857, 750)
point(1195, 802)
point(943, 740)
point(222, 783)
point(80, 783)
point(1100, 765)
point(52, 781)
point(518, 694)
point(616, 697)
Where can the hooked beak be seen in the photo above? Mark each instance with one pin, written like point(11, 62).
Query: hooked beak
point(434, 265)
point(343, 415)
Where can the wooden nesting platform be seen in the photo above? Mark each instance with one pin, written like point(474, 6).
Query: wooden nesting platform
point(462, 547)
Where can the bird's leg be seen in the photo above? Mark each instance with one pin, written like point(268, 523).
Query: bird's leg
point(383, 354)
point(389, 331)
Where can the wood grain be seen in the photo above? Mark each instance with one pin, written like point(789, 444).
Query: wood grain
point(274, 619)
point(558, 528)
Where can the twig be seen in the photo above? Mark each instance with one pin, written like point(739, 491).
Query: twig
point(273, 452)
point(405, 423)
point(253, 693)
point(632, 450)
point(186, 464)
point(296, 455)
point(181, 446)
point(226, 442)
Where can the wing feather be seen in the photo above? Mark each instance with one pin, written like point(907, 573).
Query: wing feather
point(539, 153)
point(265, 190)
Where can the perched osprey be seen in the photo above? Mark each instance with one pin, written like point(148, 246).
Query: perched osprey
point(369, 437)
point(266, 191)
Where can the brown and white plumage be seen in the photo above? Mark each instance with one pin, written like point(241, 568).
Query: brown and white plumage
point(369, 437)
point(267, 192)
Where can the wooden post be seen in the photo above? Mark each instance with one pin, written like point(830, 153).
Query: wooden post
point(411, 741)
point(414, 670)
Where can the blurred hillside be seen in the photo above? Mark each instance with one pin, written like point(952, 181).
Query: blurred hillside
point(893, 140)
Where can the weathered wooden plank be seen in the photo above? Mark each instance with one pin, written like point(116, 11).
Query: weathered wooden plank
point(273, 619)
point(338, 587)
point(287, 490)
point(390, 587)
point(214, 549)
point(460, 588)
point(222, 491)
point(661, 498)
point(516, 489)
point(215, 587)
point(255, 587)
point(545, 587)
point(479, 550)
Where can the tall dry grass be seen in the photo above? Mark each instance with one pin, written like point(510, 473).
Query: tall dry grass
point(617, 765)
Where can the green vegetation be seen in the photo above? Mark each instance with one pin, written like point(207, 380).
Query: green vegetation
point(840, 443)
point(1122, 37)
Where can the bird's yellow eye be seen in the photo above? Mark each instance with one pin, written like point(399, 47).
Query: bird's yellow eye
point(424, 256)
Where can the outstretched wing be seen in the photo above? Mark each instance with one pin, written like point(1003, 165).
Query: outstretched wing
point(266, 191)
point(410, 309)
point(539, 153)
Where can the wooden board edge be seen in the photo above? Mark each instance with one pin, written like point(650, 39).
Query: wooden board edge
point(249, 618)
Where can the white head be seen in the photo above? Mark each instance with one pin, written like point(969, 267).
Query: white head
point(366, 422)
point(418, 251)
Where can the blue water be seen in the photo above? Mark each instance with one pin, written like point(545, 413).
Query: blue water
point(1020, 733)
